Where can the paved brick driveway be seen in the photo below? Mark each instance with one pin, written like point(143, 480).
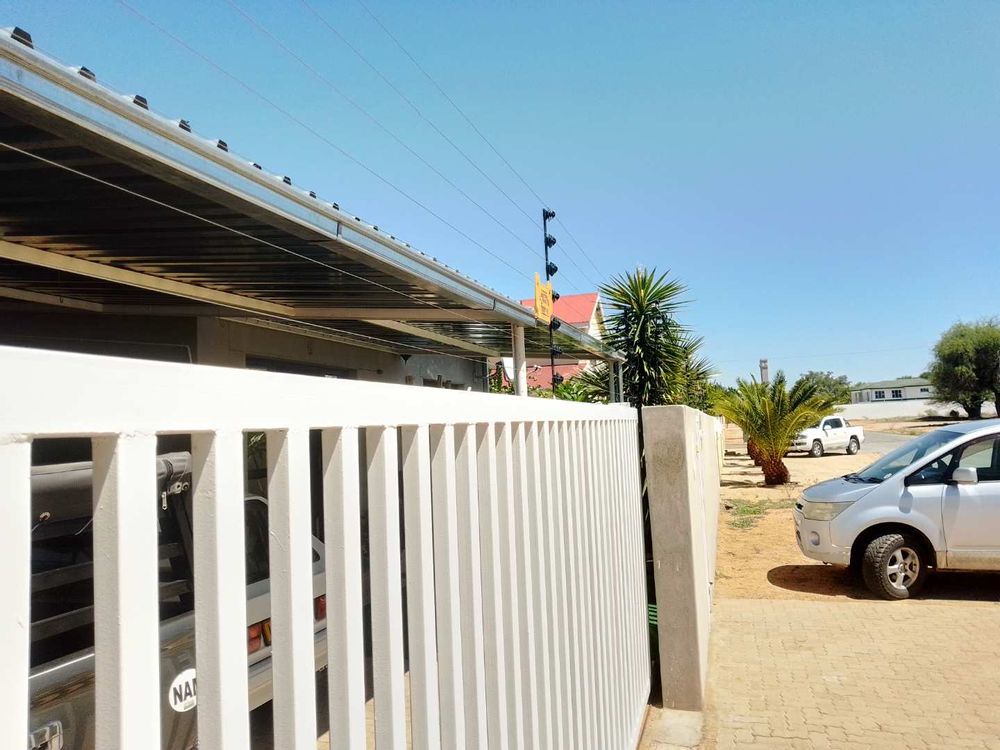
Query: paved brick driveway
point(854, 674)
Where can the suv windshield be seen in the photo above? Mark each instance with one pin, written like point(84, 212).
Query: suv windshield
point(895, 461)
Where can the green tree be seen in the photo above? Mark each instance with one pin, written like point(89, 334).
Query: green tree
point(498, 381)
point(837, 387)
point(966, 366)
point(771, 415)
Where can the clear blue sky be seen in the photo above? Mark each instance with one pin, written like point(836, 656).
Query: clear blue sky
point(824, 176)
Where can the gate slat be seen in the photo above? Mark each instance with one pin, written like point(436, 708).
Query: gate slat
point(470, 583)
point(510, 574)
point(449, 616)
point(425, 721)
point(620, 618)
point(344, 597)
point(534, 510)
point(15, 589)
point(523, 497)
point(498, 716)
point(290, 555)
point(584, 561)
point(555, 621)
point(386, 588)
point(126, 602)
point(221, 607)
point(571, 584)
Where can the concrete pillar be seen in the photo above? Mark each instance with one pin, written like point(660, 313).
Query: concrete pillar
point(682, 475)
point(213, 345)
point(520, 364)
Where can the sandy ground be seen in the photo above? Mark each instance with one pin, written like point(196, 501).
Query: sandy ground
point(758, 557)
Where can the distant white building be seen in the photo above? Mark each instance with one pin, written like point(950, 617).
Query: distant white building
point(901, 389)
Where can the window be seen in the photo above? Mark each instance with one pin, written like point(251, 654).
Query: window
point(936, 472)
point(897, 393)
point(983, 456)
point(925, 390)
point(879, 394)
point(834, 424)
point(909, 453)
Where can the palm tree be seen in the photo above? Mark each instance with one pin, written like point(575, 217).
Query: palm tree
point(642, 324)
point(771, 416)
point(689, 383)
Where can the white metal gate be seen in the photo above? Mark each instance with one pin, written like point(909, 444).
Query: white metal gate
point(526, 605)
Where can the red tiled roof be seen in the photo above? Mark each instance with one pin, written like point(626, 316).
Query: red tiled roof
point(575, 309)
point(540, 376)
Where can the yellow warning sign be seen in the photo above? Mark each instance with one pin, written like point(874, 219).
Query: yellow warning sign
point(543, 300)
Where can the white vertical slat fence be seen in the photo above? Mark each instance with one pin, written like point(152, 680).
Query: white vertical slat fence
point(521, 606)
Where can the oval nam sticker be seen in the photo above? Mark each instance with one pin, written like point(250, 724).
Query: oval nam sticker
point(183, 693)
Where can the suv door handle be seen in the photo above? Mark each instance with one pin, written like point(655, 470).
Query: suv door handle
point(48, 737)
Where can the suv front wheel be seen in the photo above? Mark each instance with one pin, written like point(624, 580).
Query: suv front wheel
point(895, 566)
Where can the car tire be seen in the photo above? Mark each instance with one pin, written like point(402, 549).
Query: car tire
point(817, 449)
point(895, 566)
point(853, 447)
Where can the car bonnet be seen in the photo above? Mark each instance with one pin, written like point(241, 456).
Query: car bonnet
point(837, 490)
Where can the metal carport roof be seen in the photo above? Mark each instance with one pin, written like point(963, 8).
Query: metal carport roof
point(109, 207)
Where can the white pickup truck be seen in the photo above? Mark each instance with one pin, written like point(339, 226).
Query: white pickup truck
point(832, 433)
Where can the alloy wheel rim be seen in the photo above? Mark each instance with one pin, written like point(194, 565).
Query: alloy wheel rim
point(903, 567)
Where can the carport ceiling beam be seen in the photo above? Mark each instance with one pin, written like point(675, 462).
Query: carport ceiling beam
point(274, 325)
point(113, 274)
point(440, 338)
point(26, 295)
point(430, 312)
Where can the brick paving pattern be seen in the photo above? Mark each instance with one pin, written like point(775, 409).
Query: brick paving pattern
point(854, 674)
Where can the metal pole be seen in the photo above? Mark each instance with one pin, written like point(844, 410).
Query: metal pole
point(520, 364)
point(545, 242)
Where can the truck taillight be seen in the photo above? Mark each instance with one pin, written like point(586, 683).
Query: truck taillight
point(319, 607)
point(258, 636)
point(255, 638)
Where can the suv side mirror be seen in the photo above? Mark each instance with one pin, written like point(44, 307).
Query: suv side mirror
point(965, 475)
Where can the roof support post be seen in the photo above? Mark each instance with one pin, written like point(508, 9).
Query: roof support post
point(612, 380)
point(520, 364)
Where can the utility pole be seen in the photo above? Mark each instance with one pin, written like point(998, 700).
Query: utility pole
point(550, 271)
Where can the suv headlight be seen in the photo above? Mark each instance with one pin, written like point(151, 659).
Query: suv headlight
point(823, 511)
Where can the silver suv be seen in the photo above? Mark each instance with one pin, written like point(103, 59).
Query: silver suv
point(933, 503)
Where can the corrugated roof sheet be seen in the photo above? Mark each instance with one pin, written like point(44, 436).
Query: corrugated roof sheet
point(94, 176)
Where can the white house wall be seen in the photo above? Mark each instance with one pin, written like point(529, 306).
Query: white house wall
point(905, 409)
point(213, 341)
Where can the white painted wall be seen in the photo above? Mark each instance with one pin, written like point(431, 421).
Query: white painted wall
point(213, 341)
point(908, 392)
point(905, 409)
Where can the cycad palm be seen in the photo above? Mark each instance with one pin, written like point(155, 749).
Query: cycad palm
point(771, 416)
point(642, 324)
